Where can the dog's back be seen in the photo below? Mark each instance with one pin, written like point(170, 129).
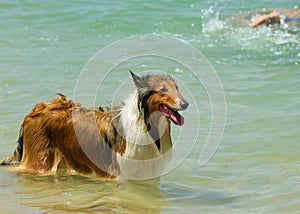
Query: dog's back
point(48, 139)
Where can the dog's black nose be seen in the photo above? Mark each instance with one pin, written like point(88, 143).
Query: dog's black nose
point(184, 105)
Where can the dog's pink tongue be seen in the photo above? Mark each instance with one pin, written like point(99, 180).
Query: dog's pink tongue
point(173, 115)
point(176, 117)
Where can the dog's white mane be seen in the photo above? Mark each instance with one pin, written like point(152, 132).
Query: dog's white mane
point(142, 158)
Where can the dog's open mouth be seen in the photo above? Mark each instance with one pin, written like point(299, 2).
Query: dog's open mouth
point(172, 115)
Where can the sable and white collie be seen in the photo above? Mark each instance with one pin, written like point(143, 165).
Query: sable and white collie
point(131, 141)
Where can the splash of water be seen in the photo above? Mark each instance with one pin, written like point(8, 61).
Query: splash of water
point(211, 21)
point(277, 39)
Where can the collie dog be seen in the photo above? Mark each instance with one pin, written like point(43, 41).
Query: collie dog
point(131, 140)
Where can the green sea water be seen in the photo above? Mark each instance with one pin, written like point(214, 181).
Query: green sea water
point(44, 46)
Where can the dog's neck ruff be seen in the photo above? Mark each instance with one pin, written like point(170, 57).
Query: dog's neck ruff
point(142, 158)
point(132, 118)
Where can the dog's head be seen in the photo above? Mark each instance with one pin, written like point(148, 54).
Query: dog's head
point(160, 93)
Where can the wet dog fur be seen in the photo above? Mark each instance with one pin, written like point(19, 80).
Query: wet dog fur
point(63, 134)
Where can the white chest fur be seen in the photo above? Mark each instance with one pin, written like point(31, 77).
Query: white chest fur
point(142, 158)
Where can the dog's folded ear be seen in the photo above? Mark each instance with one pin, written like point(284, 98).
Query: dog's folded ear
point(139, 82)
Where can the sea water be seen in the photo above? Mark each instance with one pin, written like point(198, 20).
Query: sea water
point(44, 46)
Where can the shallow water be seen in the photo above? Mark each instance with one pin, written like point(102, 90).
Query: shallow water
point(44, 47)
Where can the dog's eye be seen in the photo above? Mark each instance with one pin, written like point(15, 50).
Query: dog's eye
point(164, 90)
point(176, 87)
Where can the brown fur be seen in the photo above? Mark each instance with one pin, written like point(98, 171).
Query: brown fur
point(62, 133)
point(165, 84)
point(49, 139)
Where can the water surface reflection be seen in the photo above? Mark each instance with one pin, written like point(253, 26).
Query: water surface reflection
point(73, 193)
